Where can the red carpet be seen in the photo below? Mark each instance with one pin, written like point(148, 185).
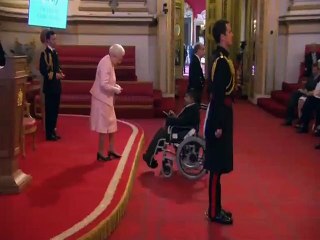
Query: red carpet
point(68, 182)
point(273, 191)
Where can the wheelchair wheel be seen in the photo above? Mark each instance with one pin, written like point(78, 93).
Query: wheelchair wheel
point(190, 157)
point(167, 166)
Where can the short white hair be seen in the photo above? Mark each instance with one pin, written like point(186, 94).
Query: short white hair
point(117, 50)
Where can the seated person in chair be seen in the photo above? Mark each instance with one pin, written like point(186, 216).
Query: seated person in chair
point(189, 116)
point(302, 92)
point(311, 105)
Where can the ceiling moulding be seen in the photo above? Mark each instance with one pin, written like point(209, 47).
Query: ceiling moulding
point(291, 19)
point(104, 6)
point(120, 20)
point(299, 28)
point(23, 4)
point(304, 6)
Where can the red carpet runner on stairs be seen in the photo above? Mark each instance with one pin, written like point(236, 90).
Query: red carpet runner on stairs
point(69, 186)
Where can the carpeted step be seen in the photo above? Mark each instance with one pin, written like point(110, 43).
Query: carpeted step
point(273, 107)
point(281, 97)
point(290, 87)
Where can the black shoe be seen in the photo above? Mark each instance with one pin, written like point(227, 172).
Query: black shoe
point(317, 147)
point(166, 167)
point(151, 164)
point(221, 218)
point(302, 130)
point(100, 157)
point(287, 123)
point(51, 138)
point(227, 213)
point(112, 154)
point(57, 137)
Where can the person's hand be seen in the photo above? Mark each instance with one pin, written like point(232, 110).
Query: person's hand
point(63, 75)
point(171, 113)
point(117, 90)
point(218, 133)
point(59, 76)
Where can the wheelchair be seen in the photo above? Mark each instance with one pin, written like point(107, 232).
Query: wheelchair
point(183, 146)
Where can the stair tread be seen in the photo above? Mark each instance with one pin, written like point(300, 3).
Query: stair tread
point(272, 106)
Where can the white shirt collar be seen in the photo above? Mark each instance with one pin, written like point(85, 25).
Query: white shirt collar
point(52, 49)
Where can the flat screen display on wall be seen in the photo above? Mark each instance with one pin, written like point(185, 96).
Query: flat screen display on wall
point(48, 13)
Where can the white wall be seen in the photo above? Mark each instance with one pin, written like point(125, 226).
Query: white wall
point(296, 47)
point(271, 43)
point(152, 6)
point(289, 56)
point(281, 60)
point(291, 46)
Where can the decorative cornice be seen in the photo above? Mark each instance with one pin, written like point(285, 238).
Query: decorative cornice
point(303, 7)
point(299, 27)
point(121, 19)
point(14, 4)
point(300, 18)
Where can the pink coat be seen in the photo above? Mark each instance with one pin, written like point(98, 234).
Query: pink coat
point(105, 85)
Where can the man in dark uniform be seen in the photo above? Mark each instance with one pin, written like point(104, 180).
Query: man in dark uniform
point(52, 74)
point(196, 78)
point(305, 91)
point(218, 127)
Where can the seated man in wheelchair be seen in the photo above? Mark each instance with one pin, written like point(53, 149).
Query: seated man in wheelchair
point(188, 117)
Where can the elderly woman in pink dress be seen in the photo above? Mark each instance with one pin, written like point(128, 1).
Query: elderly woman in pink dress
point(102, 117)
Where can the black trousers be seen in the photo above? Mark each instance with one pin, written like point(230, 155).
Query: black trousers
point(214, 194)
point(292, 105)
point(311, 104)
point(198, 93)
point(52, 104)
point(161, 133)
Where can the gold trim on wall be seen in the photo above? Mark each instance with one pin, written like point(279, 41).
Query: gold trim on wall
point(179, 38)
point(304, 7)
point(108, 9)
point(14, 4)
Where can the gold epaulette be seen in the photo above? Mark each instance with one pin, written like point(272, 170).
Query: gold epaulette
point(230, 87)
point(48, 62)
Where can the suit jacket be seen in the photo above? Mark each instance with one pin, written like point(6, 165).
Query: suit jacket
point(104, 86)
point(196, 78)
point(189, 116)
point(49, 66)
point(308, 61)
point(2, 56)
point(312, 83)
